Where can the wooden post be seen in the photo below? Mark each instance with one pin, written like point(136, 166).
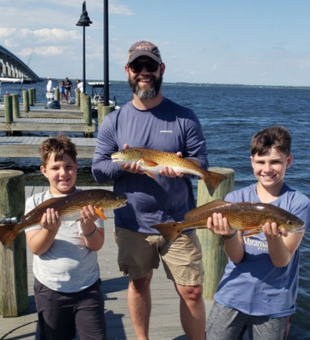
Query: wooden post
point(82, 102)
point(88, 117)
point(15, 103)
point(13, 261)
point(26, 101)
point(8, 112)
point(56, 94)
point(30, 97)
point(77, 97)
point(34, 96)
point(213, 255)
point(103, 111)
point(8, 109)
point(87, 111)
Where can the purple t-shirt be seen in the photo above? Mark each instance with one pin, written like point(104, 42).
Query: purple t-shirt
point(167, 127)
point(255, 286)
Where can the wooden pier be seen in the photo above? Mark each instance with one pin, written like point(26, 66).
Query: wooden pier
point(165, 323)
point(16, 118)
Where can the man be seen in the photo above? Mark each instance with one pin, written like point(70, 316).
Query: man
point(80, 86)
point(152, 121)
point(68, 85)
point(49, 89)
point(49, 85)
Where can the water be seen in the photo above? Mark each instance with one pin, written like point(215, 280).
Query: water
point(229, 116)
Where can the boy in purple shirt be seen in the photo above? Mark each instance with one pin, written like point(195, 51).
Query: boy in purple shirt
point(259, 287)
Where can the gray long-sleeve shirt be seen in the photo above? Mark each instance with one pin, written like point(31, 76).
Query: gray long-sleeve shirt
point(167, 127)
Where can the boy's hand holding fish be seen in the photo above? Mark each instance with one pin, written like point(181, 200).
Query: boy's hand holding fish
point(272, 231)
point(50, 220)
point(220, 226)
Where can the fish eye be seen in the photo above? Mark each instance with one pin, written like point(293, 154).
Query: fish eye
point(289, 222)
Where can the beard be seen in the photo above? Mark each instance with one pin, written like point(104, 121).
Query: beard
point(147, 92)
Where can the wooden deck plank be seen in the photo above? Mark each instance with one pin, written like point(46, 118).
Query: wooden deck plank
point(27, 146)
point(44, 113)
point(47, 124)
point(165, 323)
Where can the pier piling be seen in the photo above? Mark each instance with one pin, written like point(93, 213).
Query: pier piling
point(213, 255)
point(26, 101)
point(13, 261)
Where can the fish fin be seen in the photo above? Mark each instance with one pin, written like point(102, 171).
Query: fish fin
point(8, 234)
point(168, 230)
point(253, 232)
point(212, 180)
point(149, 163)
point(202, 208)
point(100, 213)
point(149, 174)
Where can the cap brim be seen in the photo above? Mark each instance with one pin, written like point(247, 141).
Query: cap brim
point(144, 54)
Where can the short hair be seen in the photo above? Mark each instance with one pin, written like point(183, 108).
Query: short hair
point(60, 145)
point(277, 137)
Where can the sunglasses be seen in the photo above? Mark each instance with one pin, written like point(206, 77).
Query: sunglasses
point(137, 66)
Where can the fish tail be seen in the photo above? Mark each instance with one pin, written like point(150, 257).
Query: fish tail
point(213, 180)
point(7, 234)
point(168, 230)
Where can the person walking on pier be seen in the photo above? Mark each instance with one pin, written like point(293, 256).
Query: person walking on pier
point(152, 121)
point(68, 86)
point(67, 283)
point(62, 94)
point(259, 287)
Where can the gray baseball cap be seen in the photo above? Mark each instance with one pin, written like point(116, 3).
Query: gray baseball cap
point(144, 48)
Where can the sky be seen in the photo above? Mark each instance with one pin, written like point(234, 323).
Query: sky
point(249, 42)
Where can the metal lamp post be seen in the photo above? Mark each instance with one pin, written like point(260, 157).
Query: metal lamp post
point(85, 22)
point(106, 52)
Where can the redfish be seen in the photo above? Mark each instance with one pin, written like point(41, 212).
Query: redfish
point(68, 208)
point(244, 216)
point(152, 161)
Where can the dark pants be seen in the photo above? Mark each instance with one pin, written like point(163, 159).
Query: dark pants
point(60, 314)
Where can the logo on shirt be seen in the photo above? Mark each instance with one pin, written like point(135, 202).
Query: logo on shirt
point(257, 244)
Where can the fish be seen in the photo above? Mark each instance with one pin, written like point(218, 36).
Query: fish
point(151, 161)
point(243, 216)
point(68, 208)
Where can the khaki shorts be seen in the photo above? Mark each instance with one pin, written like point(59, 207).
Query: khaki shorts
point(139, 253)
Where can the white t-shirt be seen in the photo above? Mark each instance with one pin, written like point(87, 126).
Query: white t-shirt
point(49, 86)
point(68, 266)
point(80, 86)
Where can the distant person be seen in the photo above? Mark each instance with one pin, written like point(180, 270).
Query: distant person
point(62, 94)
point(67, 283)
point(259, 287)
point(49, 89)
point(80, 86)
point(152, 121)
point(68, 86)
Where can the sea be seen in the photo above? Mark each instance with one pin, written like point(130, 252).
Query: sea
point(230, 115)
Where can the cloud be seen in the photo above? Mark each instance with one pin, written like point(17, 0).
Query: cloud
point(44, 51)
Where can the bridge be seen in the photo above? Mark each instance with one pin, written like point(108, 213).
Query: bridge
point(11, 67)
